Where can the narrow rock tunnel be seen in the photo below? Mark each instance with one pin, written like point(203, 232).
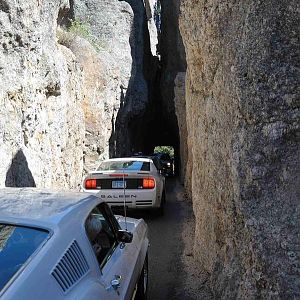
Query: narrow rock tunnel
point(82, 82)
point(156, 128)
point(157, 124)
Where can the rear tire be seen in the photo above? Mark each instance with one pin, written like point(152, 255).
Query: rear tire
point(160, 211)
point(142, 286)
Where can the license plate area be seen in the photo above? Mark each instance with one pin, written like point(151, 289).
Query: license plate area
point(118, 184)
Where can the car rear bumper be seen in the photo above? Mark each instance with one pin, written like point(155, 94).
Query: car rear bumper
point(135, 199)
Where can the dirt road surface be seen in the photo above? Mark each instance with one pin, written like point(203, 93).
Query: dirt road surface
point(173, 272)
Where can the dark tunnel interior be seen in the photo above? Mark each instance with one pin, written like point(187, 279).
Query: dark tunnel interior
point(157, 125)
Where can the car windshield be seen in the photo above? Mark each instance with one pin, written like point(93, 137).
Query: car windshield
point(130, 165)
point(17, 244)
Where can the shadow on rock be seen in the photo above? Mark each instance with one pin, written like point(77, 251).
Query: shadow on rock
point(19, 175)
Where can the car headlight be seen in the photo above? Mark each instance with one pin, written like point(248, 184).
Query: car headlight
point(168, 164)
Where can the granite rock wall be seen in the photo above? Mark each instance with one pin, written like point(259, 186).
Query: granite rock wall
point(71, 83)
point(242, 112)
point(98, 33)
point(41, 91)
point(111, 41)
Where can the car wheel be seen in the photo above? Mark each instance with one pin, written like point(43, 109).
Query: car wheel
point(160, 210)
point(142, 286)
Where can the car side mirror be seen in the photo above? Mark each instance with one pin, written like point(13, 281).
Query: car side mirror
point(124, 236)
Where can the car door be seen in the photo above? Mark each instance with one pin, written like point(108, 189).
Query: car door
point(117, 261)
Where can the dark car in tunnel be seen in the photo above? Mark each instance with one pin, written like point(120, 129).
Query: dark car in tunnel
point(166, 162)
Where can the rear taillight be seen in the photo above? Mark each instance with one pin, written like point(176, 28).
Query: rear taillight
point(90, 184)
point(148, 183)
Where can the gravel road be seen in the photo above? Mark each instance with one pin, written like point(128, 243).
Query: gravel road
point(173, 273)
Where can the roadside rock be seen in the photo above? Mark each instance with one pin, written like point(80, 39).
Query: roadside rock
point(99, 38)
point(68, 93)
point(116, 88)
point(41, 119)
point(185, 147)
point(242, 102)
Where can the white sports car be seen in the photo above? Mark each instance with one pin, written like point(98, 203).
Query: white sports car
point(133, 180)
point(64, 245)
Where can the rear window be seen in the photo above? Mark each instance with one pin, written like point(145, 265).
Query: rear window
point(130, 165)
point(17, 244)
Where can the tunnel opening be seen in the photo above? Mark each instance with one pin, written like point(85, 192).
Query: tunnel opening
point(169, 150)
point(156, 124)
point(150, 133)
point(159, 124)
point(156, 127)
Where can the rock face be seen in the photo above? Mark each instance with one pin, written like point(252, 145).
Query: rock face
point(99, 37)
point(72, 83)
point(242, 102)
point(114, 65)
point(41, 119)
point(150, 6)
point(172, 53)
point(185, 153)
point(135, 98)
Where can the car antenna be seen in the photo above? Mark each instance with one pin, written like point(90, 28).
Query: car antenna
point(125, 215)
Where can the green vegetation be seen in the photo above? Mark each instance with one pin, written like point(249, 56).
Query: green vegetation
point(77, 28)
point(83, 30)
point(165, 149)
point(80, 29)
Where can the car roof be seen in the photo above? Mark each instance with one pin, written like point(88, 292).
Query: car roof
point(41, 207)
point(135, 158)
